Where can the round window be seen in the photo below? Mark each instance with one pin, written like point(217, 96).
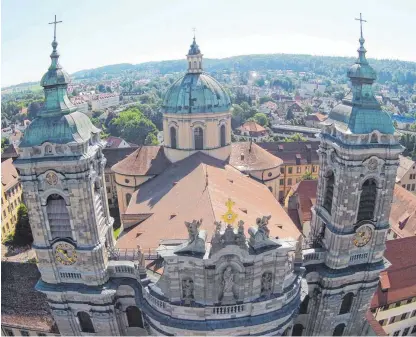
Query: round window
point(126, 181)
point(269, 174)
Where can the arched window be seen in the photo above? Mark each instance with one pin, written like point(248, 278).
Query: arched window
point(173, 137)
point(374, 138)
point(58, 217)
point(304, 305)
point(199, 138)
point(194, 64)
point(222, 135)
point(134, 317)
point(367, 200)
point(339, 330)
point(346, 303)
point(48, 149)
point(128, 198)
point(329, 192)
point(85, 322)
point(297, 330)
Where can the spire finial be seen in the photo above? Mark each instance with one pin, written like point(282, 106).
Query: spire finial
point(361, 24)
point(54, 28)
point(194, 30)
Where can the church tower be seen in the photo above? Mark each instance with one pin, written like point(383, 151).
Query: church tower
point(196, 114)
point(61, 167)
point(359, 156)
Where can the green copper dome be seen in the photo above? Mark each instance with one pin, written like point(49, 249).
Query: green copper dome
point(360, 112)
point(58, 122)
point(196, 93)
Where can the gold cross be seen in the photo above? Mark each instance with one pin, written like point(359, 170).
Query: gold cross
point(54, 28)
point(230, 216)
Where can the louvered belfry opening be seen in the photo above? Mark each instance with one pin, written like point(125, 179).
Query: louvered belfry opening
point(367, 200)
point(329, 192)
point(58, 217)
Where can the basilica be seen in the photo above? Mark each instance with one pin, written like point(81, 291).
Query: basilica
point(206, 248)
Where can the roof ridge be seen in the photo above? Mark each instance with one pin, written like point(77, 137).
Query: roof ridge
point(207, 188)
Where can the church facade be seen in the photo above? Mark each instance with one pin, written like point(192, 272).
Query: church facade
point(208, 250)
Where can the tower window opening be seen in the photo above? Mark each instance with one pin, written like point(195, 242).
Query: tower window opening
point(346, 304)
point(173, 137)
point(58, 217)
point(304, 305)
point(339, 330)
point(297, 330)
point(85, 322)
point(128, 198)
point(222, 135)
point(48, 149)
point(134, 317)
point(367, 200)
point(374, 138)
point(329, 192)
point(199, 138)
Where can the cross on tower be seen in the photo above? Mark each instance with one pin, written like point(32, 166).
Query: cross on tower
point(361, 24)
point(194, 30)
point(54, 28)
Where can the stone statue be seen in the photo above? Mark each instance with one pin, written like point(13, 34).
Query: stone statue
point(262, 225)
point(266, 284)
point(193, 229)
point(241, 238)
point(227, 285)
point(187, 290)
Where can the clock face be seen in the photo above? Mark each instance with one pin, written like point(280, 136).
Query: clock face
point(362, 236)
point(52, 178)
point(65, 254)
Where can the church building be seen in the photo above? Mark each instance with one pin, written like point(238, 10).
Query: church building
point(206, 248)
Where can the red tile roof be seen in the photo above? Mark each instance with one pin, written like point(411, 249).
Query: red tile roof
point(306, 191)
point(288, 151)
point(145, 161)
point(374, 324)
point(252, 127)
point(9, 175)
point(248, 156)
point(403, 212)
point(401, 274)
point(198, 188)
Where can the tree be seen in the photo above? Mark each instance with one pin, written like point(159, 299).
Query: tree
point(289, 115)
point(4, 143)
point(23, 233)
point(297, 137)
point(261, 119)
point(151, 139)
point(265, 99)
point(308, 109)
point(395, 124)
point(237, 114)
point(108, 89)
point(307, 176)
point(133, 126)
point(101, 88)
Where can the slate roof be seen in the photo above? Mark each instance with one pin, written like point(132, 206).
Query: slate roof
point(21, 305)
point(289, 152)
point(9, 152)
point(401, 274)
point(403, 212)
point(113, 156)
point(144, 161)
point(248, 156)
point(197, 188)
point(9, 175)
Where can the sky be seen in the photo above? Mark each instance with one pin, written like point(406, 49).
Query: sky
point(95, 33)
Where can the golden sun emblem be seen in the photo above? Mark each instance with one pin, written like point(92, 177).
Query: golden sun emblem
point(230, 216)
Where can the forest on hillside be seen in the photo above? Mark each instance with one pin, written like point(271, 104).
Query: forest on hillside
point(400, 72)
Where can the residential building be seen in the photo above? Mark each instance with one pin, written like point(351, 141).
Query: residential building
point(81, 104)
point(268, 107)
point(104, 101)
point(299, 158)
point(403, 214)
point(295, 108)
point(9, 152)
point(117, 143)
point(299, 202)
point(11, 196)
point(314, 120)
point(251, 131)
point(394, 302)
point(406, 174)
